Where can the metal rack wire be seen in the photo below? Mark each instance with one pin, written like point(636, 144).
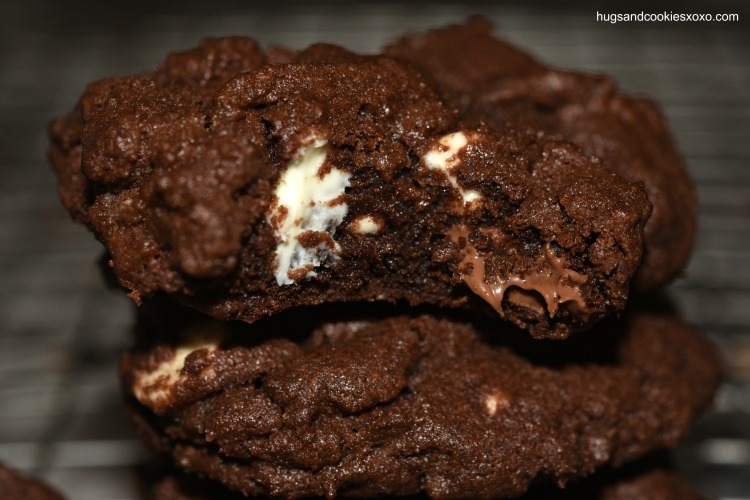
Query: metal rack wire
point(62, 329)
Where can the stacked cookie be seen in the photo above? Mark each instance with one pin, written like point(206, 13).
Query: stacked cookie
point(639, 481)
point(507, 209)
point(16, 486)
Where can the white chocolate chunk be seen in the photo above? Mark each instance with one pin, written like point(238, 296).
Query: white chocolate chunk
point(307, 201)
point(445, 158)
point(366, 225)
point(494, 402)
point(154, 388)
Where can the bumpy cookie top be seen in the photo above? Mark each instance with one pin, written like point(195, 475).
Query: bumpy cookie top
point(244, 182)
point(408, 404)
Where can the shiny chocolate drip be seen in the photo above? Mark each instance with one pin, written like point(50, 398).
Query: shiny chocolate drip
point(545, 288)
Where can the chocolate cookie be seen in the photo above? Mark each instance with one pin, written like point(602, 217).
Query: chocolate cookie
point(408, 404)
point(243, 186)
point(654, 484)
point(14, 486)
point(498, 83)
point(657, 485)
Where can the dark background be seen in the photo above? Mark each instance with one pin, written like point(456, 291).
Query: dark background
point(61, 329)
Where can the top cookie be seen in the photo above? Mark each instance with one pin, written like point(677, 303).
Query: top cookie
point(244, 182)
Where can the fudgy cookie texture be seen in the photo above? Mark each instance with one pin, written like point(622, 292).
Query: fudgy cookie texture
point(245, 182)
point(15, 486)
point(493, 81)
point(410, 404)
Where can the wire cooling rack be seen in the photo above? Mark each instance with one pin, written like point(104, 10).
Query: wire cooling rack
point(62, 329)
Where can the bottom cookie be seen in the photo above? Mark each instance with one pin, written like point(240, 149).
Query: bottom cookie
point(413, 404)
point(630, 483)
point(15, 486)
